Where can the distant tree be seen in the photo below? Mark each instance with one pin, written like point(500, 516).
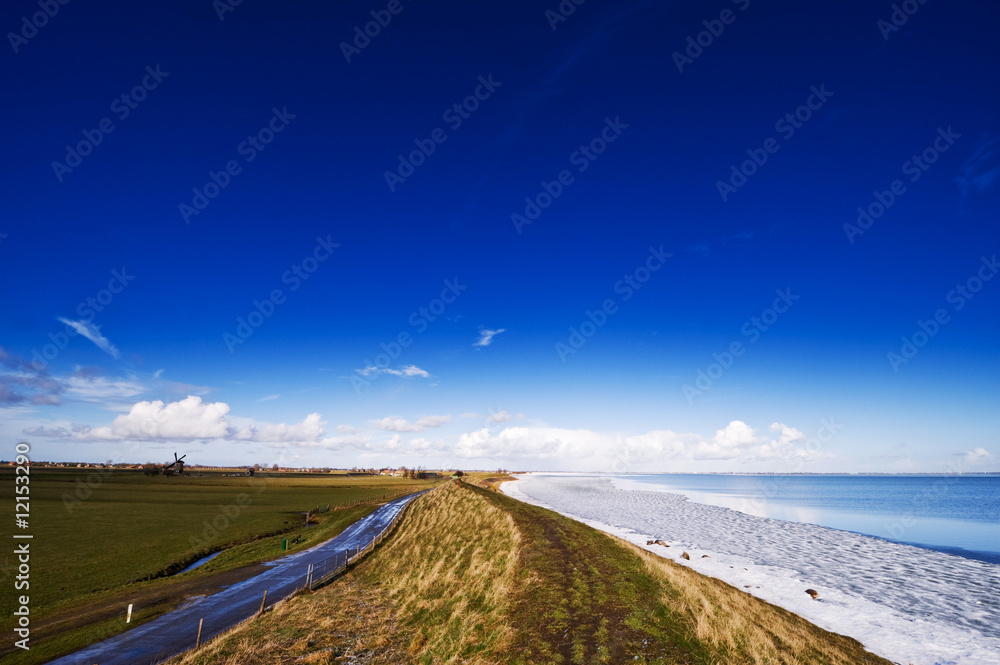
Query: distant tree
point(459, 473)
point(150, 469)
point(274, 467)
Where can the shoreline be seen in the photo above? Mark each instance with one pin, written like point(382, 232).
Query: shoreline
point(624, 483)
point(842, 606)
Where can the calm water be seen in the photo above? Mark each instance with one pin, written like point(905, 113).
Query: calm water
point(954, 514)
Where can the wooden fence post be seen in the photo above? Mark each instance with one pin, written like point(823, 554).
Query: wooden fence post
point(197, 642)
point(264, 600)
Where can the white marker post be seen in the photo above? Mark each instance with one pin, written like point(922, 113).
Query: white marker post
point(128, 619)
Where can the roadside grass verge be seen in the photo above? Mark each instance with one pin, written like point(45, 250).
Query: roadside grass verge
point(473, 576)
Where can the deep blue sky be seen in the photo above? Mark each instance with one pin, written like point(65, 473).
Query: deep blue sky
point(620, 398)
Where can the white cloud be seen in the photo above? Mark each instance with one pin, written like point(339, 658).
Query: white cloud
point(93, 333)
point(185, 420)
point(90, 388)
point(188, 419)
point(268, 398)
point(587, 450)
point(396, 424)
point(977, 455)
point(486, 336)
point(310, 430)
point(407, 372)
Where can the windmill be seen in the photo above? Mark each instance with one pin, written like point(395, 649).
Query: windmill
point(168, 469)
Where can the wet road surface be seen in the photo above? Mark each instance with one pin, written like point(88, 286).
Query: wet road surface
point(176, 631)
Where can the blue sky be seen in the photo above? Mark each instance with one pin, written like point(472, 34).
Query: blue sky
point(625, 240)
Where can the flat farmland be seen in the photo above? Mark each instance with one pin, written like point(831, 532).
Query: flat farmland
point(97, 532)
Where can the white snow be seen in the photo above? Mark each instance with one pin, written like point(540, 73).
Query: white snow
point(907, 604)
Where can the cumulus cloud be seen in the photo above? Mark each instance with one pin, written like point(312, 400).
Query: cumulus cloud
point(585, 449)
point(93, 333)
point(396, 424)
point(407, 372)
point(188, 419)
point(311, 429)
point(486, 336)
point(977, 455)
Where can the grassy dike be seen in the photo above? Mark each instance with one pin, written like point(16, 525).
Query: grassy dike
point(473, 576)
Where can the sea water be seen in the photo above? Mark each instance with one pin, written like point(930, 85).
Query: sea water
point(958, 514)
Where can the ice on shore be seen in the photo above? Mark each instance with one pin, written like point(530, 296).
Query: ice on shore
point(907, 604)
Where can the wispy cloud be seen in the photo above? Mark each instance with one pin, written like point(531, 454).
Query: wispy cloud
point(268, 398)
point(500, 417)
point(93, 333)
point(396, 424)
point(21, 382)
point(486, 336)
point(407, 372)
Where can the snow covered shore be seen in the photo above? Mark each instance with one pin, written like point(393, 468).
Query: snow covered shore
point(907, 604)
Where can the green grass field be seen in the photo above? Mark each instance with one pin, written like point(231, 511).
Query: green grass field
point(125, 531)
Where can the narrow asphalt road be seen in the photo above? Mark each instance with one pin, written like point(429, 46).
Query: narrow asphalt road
point(176, 631)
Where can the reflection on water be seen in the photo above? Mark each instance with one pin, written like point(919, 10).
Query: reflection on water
point(955, 514)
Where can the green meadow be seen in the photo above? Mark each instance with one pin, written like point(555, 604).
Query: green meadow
point(99, 535)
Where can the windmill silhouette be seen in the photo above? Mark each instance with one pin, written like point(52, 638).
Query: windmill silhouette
point(178, 462)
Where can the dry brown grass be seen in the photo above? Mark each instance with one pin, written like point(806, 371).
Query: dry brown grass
point(741, 628)
point(450, 572)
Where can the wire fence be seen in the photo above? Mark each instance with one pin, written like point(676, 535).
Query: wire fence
point(325, 570)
